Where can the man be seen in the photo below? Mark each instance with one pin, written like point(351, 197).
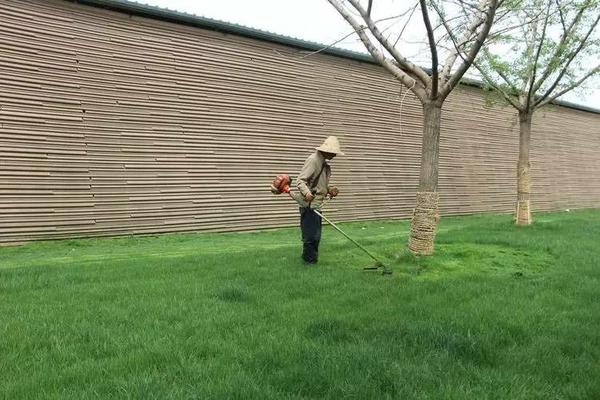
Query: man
point(313, 184)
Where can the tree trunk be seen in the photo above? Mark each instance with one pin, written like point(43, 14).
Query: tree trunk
point(426, 214)
point(523, 209)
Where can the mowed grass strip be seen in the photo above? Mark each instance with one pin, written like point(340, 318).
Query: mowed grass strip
point(500, 312)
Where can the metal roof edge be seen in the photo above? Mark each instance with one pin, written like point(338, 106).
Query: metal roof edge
point(165, 14)
point(562, 103)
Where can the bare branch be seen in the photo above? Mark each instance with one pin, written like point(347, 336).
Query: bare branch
point(500, 17)
point(485, 75)
point(521, 24)
point(570, 87)
point(474, 50)
point(369, 7)
point(498, 88)
point(330, 45)
point(488, 78)
point(433, 49)
point(502, 75)
point(441, 24)
point(524, 30)
point(562, 17)
point(397, 72)
point(572, 56)
point(346, 36)
point(530, 46)
point(467, 37)
point(386, 28)
point(402, 61)
point(559, 49)
point(540, 45)
point(465, 4)
point(412, 11)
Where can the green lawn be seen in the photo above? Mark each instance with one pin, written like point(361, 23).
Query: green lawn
point(500, 312)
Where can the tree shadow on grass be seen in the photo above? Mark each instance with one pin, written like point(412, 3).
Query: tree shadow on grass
point(234, 293)
point(333, 330)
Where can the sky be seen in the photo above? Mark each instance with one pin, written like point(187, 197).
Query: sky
point(318, 21)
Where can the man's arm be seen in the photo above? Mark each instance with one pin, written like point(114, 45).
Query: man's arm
point(332, 191)
point(307, 171)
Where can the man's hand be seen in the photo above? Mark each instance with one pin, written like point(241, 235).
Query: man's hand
point(333, 192)
point(309, 197)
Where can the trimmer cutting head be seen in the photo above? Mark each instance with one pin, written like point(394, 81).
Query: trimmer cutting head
point(379, 265)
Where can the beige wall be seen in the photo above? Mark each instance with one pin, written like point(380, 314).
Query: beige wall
point(111, 124)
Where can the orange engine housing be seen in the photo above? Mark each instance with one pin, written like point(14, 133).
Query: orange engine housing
point(281, 184)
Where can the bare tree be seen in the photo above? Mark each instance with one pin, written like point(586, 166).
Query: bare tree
point(553, 51)
point(469, 22)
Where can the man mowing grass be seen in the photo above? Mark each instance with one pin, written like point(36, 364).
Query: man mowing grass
point(313, 183)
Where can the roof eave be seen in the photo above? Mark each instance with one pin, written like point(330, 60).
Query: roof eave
point(148, 11)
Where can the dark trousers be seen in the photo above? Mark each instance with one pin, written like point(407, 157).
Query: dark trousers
point(310, 223)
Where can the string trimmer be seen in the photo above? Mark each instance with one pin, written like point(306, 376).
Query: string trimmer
point(281, 184)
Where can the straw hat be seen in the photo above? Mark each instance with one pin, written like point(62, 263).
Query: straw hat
point(331, 145)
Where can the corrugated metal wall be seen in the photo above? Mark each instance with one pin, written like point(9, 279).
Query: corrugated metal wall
point(113, 124)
